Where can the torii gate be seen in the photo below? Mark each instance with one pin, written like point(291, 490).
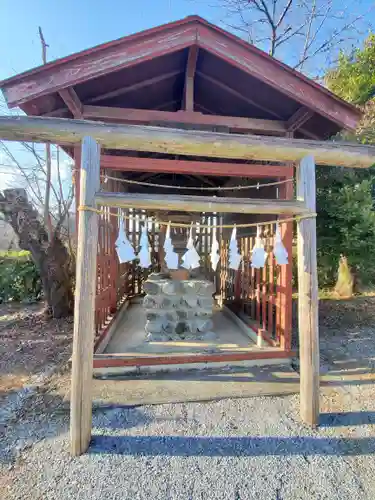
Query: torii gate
point(92, 135)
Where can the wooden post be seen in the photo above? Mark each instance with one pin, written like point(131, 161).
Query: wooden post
point(84, 309)
point(308, 296)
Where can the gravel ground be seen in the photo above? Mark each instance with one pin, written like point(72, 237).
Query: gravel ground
point(230, 449)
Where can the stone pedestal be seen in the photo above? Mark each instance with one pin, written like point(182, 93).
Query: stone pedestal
point(178, 309)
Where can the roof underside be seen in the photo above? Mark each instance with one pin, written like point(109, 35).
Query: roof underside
point(148, 71)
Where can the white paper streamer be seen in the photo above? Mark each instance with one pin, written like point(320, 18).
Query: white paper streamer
point(144, 253)
point(171, 257)
point(258, 254)
point(234, 257)
point(190, 259)
point(124, 250)
point(280, 252)
point(214, 255)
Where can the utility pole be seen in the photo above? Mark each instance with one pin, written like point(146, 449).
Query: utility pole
point(47, 219)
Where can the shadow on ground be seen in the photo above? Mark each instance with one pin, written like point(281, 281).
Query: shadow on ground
point(173, 446)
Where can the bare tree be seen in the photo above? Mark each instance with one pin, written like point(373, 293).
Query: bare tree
point(35, 201)
point(22, 205)
point(24, 180)
point(306, 34)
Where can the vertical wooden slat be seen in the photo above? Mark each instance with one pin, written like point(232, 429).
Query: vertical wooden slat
point(271, 286)
point(253, 285)
point(264, 296)
point(84, 308)
point(308, 296)
point(284, 280)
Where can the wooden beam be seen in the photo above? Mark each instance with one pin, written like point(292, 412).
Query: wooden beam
point(308, 296)
point(188, 97)
point(97, 62)
point(163, 40)
point(106, 360)
point(277, 75)
point(136, 86)
point(188, 118)
point(165, 104)
point(185, 142)
point(193, 203)
point(71, 99)
point(299, 118)
point(135, 164)
point(237, 94)
point(84, 307)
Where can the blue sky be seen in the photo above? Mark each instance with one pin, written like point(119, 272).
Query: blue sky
point(73, 25)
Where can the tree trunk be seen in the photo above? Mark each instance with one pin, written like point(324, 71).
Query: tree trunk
point(50, 257)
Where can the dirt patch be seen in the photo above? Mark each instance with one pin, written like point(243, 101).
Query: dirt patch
point(29, 343)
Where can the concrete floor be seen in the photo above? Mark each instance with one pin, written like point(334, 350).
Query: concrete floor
point(129, 337)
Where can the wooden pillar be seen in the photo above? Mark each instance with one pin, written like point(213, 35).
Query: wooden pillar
point(308, 296)
point(84, 308)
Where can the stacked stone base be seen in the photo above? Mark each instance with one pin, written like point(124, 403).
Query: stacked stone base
point(178, 309)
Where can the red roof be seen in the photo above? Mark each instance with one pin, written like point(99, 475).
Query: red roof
point(233, 78)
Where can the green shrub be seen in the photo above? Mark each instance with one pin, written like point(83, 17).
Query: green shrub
point(19, 278)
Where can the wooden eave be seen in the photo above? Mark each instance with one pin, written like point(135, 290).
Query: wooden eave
point(104, 59)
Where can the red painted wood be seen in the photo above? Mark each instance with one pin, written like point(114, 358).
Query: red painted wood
point(271, 289)
point(188, 98)
point(258, 304)
point(284, 282)
point(106, 361)
point(278, 76)
point(87, 65)
point(133, 164)
point(72, 101)
point(167, 39)
point(264, 296)
point(189, 118)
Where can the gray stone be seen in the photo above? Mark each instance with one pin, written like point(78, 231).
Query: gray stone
point(205, 288)
point(205, 302)
point(154, 326)
point(203, 313)
point(156, 337)
point(185, 327)
point(154, 314)
point(157, 276)
point(171, 315)
point(203, 325)
point(169, 327)
point(149, 302)
point(188, 287)
point(152, 287)
point(209, 336)
point(189, 302)
point(185, 313)
point(169, 302)
point(172, 287)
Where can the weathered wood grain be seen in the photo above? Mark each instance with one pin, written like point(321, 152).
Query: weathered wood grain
point(71, 99)
point(193, 203)
point(308, 296)
point(190, 118)
point(185, 142)
point(84, 307)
